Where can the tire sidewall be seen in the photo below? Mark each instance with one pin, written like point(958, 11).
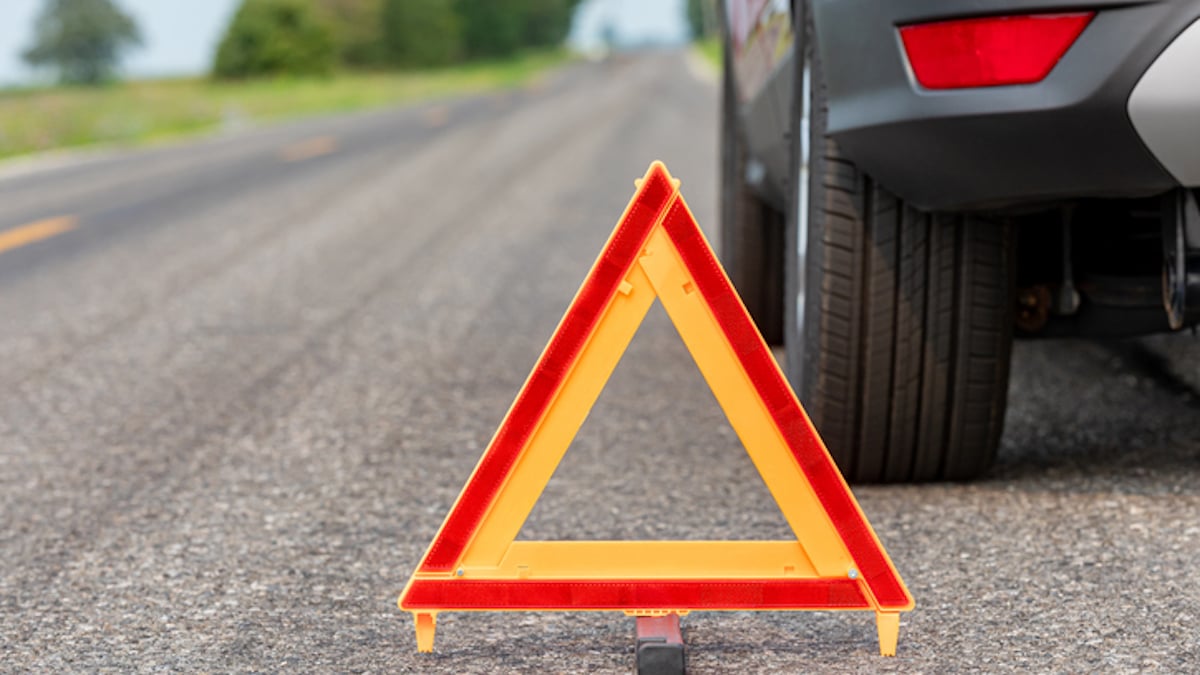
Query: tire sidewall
point(804, 225)
point(730, 164)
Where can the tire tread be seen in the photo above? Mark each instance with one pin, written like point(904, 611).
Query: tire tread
point(914, 336)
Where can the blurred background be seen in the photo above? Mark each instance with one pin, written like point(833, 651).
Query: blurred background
point(77, 72)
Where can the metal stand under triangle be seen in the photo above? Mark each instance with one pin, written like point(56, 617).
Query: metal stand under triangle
point(660, 649)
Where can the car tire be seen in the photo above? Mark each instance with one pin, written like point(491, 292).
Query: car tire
point(899, 328)
point(751, 230)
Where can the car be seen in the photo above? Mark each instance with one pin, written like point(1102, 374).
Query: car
point(909, 186)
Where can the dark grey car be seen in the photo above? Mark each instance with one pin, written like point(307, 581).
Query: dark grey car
point(909, 185)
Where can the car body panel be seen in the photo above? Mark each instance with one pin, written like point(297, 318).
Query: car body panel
point(761, 37)
point(1067, 136)
point(760, 33)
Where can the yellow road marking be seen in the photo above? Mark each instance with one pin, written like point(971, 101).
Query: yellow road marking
point(37, 231)
point(308, 149)
point(437, 116)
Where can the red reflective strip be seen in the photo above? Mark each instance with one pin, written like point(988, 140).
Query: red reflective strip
point(990, 51)
point(775, 393)
point(547, 376)
point(468, 594)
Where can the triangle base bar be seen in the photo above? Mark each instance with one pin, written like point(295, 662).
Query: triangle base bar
point(635, 595)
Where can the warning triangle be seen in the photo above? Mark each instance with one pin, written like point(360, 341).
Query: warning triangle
point(836, 562)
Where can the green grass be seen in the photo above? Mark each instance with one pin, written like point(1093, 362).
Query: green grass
point(34, 120)
point(710, 49)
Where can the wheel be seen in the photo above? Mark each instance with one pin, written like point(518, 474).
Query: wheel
point(751, 231)
point(899, 328)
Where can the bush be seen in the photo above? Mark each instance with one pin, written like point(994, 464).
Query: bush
point(276, 37)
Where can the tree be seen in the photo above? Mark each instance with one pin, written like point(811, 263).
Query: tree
point(276, 37)
point(701, 16)
point(546, 22)
point(491, 28)
point(435, 32)
point(357, 31)
point(83, 39)
point(420, 33)
point(499, 28)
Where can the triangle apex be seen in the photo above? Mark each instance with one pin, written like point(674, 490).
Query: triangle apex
point(657, 167)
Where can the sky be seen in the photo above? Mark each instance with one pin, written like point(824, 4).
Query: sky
point(635, 22)
point(180, 36)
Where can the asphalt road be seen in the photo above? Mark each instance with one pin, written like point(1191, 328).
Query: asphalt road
point(242, 380)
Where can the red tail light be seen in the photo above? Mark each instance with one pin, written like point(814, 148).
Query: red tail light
point(991, 51)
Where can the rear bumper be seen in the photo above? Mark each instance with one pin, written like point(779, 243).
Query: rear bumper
point(1069, 135)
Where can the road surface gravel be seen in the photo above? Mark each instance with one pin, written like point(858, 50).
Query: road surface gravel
point(238, 399)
